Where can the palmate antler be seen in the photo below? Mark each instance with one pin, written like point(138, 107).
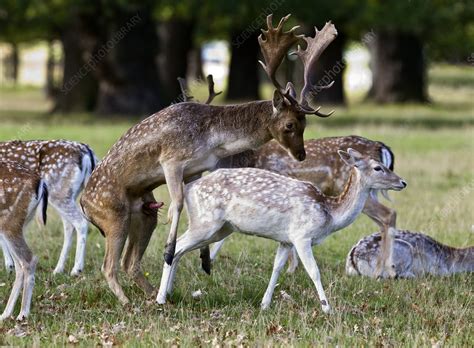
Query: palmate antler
point(275, 43)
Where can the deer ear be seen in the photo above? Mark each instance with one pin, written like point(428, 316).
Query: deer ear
point(346, 158)
point(278, 100)
point(355, 154)
point(290, 89)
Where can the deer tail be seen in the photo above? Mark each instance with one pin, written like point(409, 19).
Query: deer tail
point(88, 164)
point(42, 196)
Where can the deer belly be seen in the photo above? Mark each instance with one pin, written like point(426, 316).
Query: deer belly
point(200, 165)
point(253, 220)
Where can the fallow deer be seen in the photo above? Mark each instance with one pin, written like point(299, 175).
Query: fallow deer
point(414, 255)
point(65, 166)
point(21, 191)
point(186, 139)
point(291, 212)
point(324, 168)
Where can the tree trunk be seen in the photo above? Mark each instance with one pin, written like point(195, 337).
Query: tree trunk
point(330, 67)
point(12, 63)
point(195, 65)
point(127, 69)
point(176, 41)
point(78, 92)
point(243, 81)
point(50, 87)
point(399, 70)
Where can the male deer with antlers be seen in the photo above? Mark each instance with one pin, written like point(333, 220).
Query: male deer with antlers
point(65, 166)
point(186, 139)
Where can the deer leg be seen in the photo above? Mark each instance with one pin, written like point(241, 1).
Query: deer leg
point(141, 230)
point(29, 269)
point(280, 259)
point(174, 180)
point(72, 220)
point(385, 218)
point(307, 258)
point(68, 231)
point(208, 256)
point(9, 263)
point(114, 243)
point(193, 238)
point(215, 249)
point(25, 264)
point(183, 244)
point(82, 228)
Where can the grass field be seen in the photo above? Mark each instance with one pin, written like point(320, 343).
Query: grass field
point(434, 150)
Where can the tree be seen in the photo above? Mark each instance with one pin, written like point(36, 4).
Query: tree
point(404, 31)
point(331, 63)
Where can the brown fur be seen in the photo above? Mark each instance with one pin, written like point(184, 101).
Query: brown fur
point(20, 192)
point(168, 147)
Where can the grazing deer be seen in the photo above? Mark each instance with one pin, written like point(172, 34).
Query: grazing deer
point(65, 166)
point(291, 212)
point(325, 169)
point(21, 191)
point(186, 139)
point(414, 255)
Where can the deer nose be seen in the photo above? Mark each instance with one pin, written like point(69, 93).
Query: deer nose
point(404, 183)
point(301, 156)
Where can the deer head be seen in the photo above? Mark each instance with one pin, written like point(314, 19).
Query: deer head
point(374, 174)
point(289, 111)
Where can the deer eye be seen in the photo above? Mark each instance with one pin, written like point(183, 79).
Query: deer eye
point(289, 126)
point(378, 168)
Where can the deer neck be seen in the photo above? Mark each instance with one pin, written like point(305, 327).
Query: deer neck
point(460, 260)
point(243, 127)
point(348, 205)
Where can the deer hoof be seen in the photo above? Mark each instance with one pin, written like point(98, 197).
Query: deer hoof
point(168, 258)
point(76, 272)
point(326, 307)
point(58, 270)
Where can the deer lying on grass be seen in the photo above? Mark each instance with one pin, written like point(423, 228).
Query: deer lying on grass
point(65, 166)
point(325, 169)
point(21, 191)
point(186, 139)
point(414, 255)
point(289, 211)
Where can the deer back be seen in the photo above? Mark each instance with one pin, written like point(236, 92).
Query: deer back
point(322, 167)
point(62, 164)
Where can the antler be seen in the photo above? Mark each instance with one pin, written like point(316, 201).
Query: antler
point(309, 56)
point(187, 97)
point(184, 90)
point(274, 44)
point(212, 93)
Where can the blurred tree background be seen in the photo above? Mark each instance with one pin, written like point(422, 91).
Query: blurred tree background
point(123, 56)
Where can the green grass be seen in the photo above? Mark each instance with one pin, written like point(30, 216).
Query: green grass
point(434, 148)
